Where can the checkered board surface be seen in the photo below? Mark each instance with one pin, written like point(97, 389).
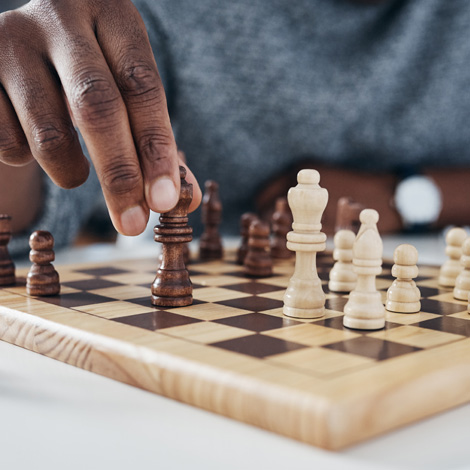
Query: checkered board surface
point(233, 352)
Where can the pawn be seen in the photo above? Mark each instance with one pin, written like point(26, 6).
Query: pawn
point(403, 296)
point(281, 222)
point(462, 283)
point(210, 246)
point(364, 309)
point(258, 262)
point(347, 214)
point(342, 275)
point(42, 278)
point(7, 268)
point(245, 221)
point(452, 267)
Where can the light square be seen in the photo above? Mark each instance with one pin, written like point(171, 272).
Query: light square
point(114, 309)
point(311, 334)
point(217, 294)
point(206, 332)
point(322, 362)
point(415, 336)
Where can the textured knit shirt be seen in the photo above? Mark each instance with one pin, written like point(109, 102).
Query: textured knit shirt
point(255, 86)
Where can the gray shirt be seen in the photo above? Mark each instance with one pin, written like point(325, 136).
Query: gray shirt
point(255, 86)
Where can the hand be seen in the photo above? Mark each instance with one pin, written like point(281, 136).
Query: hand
point(89, 63)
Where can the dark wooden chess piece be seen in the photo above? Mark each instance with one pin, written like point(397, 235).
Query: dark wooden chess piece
point(172, 286)
point(7, 268)
point(245, 221)
point(210, 246)
point(42, 279)
point(258, 262)
point(281, 222)
point(347, 214)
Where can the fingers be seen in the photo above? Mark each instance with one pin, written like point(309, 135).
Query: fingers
point(47, 126)
point(14, 149)
point(127, 50)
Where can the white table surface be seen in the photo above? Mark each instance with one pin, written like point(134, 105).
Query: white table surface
point(55, 416)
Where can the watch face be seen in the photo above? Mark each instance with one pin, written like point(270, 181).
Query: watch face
point(418, 200)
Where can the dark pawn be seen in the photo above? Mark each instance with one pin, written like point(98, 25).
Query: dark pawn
point(245, 221)
point(258, 262)
point(42, 278)
point(172, 286)
point(210, 246)
point(7, 268)
point(281, 222)
point(347, 214)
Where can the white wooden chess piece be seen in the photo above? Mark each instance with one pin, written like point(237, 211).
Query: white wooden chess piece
point(364, 309)
point(342, 275)
point(304, 297)
point(452, 267)
point(403, 296)
point(462, 283)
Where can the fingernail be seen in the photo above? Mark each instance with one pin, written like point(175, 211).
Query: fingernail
point(133, 221)
point(163, 195)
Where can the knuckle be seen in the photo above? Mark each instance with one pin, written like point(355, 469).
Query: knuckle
point(95, 97)
point(139, 80)
point(121, 177)
point(50, 137)
point(156, 147)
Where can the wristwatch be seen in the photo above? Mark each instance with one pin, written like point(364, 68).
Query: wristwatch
point(418, 201)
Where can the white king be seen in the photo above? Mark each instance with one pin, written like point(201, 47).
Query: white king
point(304, 297)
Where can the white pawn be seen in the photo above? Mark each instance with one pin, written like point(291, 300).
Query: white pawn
point(304, 297)
point(364, 309)
point(403, 296)
point(462, 283)
point(342, 276)
point(452, 267)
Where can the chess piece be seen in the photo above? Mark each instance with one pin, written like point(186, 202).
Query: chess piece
point(403, 296)
point(258, 261)
point(304, 297)
point(172, 286)
point(210, 246)
point(347, 214)
point(281, 222)
point(342, 275)
point(7, 268)
point(364, 309)
point(42, 279)
point(245, 221)
point(452, 267)
point(462, 283)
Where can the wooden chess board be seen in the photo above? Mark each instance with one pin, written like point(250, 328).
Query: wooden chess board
point(234, 353)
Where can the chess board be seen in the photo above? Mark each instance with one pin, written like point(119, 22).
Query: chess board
point(233, 352)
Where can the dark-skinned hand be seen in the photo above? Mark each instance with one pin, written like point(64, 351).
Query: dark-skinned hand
point(89, 63)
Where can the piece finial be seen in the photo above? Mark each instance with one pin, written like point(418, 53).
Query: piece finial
point(182, 172)
point(405, 255)
point(369, 217)
point(308, 177)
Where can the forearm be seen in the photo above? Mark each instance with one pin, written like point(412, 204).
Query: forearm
point(20, 194)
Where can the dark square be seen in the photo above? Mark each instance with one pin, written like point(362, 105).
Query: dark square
point(252, 303)
point(105, 271)
point(441, 308)
point(430, 291)
point(91, 284)
point(258, 345)
point(253, 288)
point(156, 320)
point(373, 348)
point(457, 326)
point(77, 299)
point(241, 274)
point(257, 322)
